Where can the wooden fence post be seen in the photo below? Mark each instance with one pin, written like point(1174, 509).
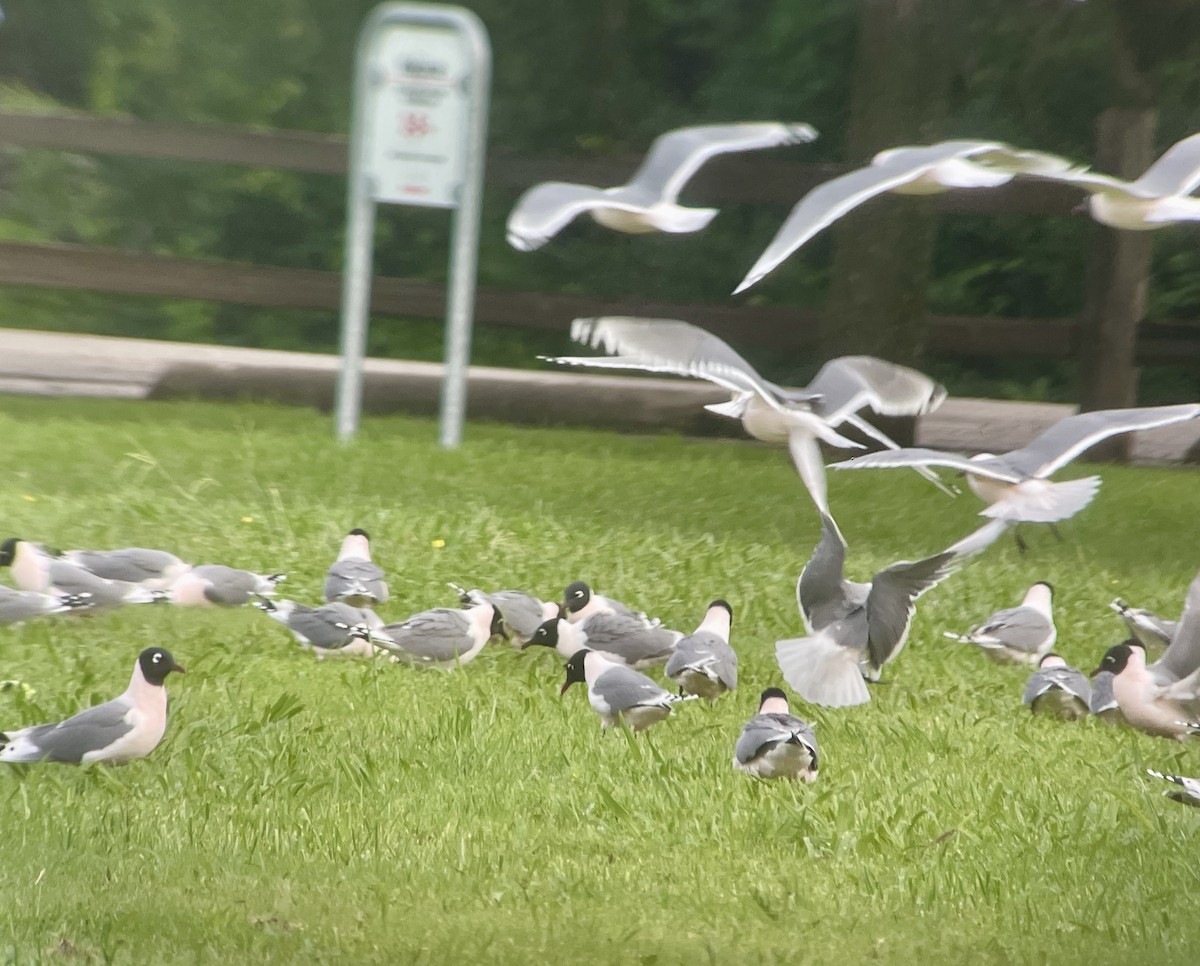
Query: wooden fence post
point(1117, 277)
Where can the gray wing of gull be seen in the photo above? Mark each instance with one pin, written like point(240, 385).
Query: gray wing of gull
point(1102, 698)
point(821, 590)
point(892, 601)
point(1177, 172)
point(1063, 678)
point(131, 564)
point(546, 209)
point(996, 468)
point(627, 636)
point(68, 578)
point(438, 635)
point(327, 626)
point(622, 688)
point(704, 649)
point(1070, 437)
point(850, 383)
point(90, 730)
point(522, 611)
point(19, 605)
point(228, 586)
point(674, 346)
point(828, 202)
point(1182, 656)
point(346, 578)
point(764, 730)
point(1021, 628)
point(676, 156)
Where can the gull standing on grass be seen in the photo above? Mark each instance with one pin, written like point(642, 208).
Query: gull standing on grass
point(1149, 629)
point(523, 612)
point(1017, 635)
point(580, 602)
point(126, 728)
point(152, 569)
point(1163, 697)
point(647, 202)
point(334, 628)
point(1015, 484)
point(703, 663)
point(856, 628)
point(22, 605)
point(1160, 197)
point(354, 578)
point(618, 693)
point(441, 637)
point(771, 413)
point(215, 585)
point(1058, 690)
point(922, 170)
point(775, 743)
point(619, 637)
point(35, 569)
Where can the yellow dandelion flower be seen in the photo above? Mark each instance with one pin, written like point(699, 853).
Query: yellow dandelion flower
point(437, 544)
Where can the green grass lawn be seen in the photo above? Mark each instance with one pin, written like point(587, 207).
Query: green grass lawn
point(364, 812)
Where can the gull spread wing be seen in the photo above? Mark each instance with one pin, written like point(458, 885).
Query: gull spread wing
point(545, 209)
point(916, 456)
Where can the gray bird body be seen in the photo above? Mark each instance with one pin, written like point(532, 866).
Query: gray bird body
point(354, 578)
point(1016, 635)
point(152, 569)
point(334, 628)
point(22, 605)
point(35, 569)
point(1103, 703)
point(795, 417)
point(523, 612)
point(1150, 630)
point(703, 664)
point(647, 202)
point(622, 696)
point(856, 628)
point(1058, 691)
point(441, 637)
point(1015, 484)
point(215, 585)
point(629, 639)
point(777, 745)
point(126, 728)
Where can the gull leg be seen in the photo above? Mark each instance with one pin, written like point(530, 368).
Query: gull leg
point(1054, 530)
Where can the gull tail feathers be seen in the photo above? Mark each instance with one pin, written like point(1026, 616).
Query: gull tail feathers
point(822, 671)
point(1040, 501)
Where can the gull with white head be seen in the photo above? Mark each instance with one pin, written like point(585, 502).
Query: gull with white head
point(1017, 635)
point(647, 202)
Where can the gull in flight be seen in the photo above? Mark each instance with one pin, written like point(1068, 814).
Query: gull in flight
point(1015, 484)
point(1158, 198)
point(924, 170)
point(647, 202)
point(768, 412)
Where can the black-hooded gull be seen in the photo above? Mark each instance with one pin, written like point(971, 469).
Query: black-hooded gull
point(580, 602)
point(1015, 484)
point(152, 569)
point(126, 728)
point(1189, 788)
point(215, 585)
point(1160, 197)
point(1163, 697)
point(618, 693)
point(333, 628)
point(796, 417)
point(647, 202)
point(354, 578)
point(1017, 635)
point(619, 637)
point(703, 663)
point(1149, 629)
point(856, 628)
point(775, 743)
point(920, 170)
point(37, 569)
point(441, 637)
point(1058, 690)
point(22, 605)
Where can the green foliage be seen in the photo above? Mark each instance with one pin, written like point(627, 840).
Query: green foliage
point(366, 812)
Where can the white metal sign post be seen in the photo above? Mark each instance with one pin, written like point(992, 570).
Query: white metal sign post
point(422, 76)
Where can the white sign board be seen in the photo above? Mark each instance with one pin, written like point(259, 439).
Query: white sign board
point(417, 126)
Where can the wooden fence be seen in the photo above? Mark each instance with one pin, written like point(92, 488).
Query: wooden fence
point(763, 181)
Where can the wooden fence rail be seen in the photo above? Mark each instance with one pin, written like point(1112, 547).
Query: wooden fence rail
point(773, 181)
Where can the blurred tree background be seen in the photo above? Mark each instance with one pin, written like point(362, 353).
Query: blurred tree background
point(589, 78)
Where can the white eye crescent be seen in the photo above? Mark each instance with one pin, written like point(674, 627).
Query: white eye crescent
point(156, 658)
